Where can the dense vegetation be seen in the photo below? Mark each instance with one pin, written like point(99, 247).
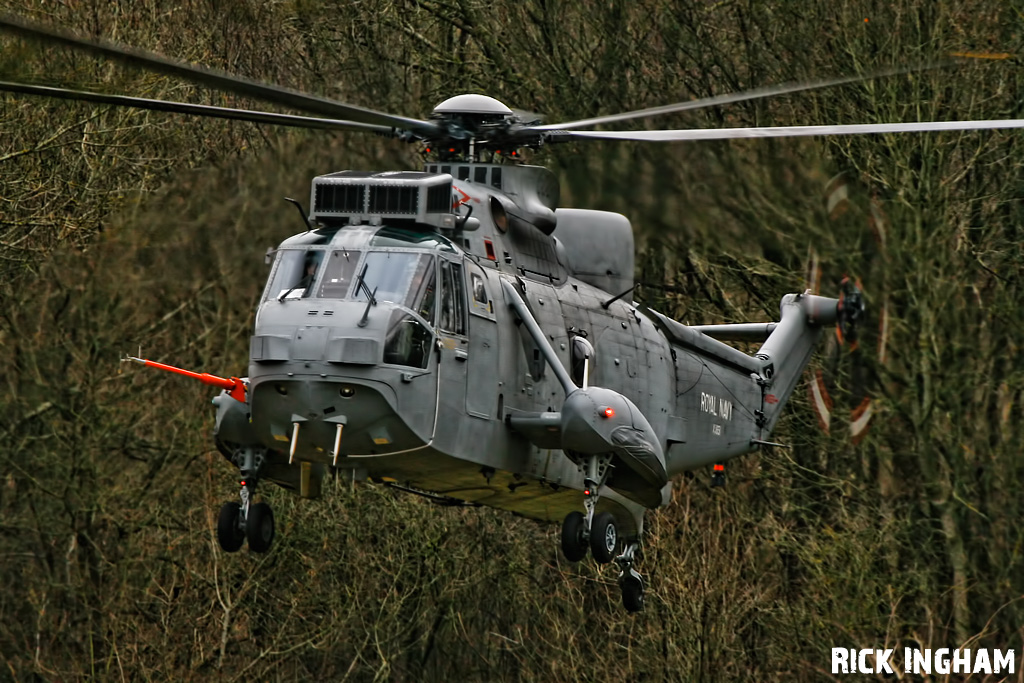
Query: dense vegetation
point(121, 228)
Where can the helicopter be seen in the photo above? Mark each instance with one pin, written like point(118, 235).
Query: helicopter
point(454, 333)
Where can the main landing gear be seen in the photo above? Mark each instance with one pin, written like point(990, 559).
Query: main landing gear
point(248, 521)
point(599, 534)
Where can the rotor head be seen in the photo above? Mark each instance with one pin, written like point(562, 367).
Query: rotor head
point(472, 123)
point(478, 105)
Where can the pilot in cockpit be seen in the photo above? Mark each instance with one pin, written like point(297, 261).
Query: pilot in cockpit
point(303, 286)
point(309, 269)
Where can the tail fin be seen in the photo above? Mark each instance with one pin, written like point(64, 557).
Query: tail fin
point(788, 349)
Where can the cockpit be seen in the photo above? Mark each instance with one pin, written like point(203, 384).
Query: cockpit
point(423, 290)
point(401, 277)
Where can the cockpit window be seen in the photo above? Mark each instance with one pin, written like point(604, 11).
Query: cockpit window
point(395, 276)
point(339, 273)
point(398, 237)
point(453, 298)
point(425, 299)
point(407, 341)
point(403, 277)
point(296, 271)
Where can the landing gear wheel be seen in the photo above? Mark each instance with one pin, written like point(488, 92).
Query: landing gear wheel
point(574, 538)
point(229, 527)
point(632, 592)
point(259, 527)
point(604, 537)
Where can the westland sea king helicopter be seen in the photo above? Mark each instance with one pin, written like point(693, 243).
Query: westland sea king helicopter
point(455, 333)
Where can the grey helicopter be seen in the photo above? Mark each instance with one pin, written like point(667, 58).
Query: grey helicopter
point(453, 332)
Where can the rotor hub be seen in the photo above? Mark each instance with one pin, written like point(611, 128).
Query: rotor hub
point(473, 124)
point(477, 105)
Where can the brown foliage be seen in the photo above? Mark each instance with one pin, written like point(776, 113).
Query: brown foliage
point(124, 228)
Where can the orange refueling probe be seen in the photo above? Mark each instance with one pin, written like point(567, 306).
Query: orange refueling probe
point(234, 386)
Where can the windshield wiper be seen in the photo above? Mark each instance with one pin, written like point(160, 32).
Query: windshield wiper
point(302, 285)
point(361, 286)
point(371, 297)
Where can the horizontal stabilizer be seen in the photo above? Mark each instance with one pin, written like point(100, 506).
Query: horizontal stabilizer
point(740, 332)
point(693, 339)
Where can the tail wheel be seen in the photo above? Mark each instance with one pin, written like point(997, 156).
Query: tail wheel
point(229, 527)
point(259, 527)
point(632, 593)
point(604, 537)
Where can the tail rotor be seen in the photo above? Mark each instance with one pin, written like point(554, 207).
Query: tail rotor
point(846, 379)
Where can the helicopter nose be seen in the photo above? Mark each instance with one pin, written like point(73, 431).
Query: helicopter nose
point(335, 388)
point(313, 412)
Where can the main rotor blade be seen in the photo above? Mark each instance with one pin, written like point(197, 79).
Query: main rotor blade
point(755, 94)
point(193, 109)
point(217, 79)
point(783, 131)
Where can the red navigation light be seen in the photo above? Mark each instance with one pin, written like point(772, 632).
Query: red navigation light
point(719, 468)
point(608, 412)
point(586, 492)
point(242, 482)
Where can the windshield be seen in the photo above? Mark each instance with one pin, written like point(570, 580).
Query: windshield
point(296, 271)
point(338, 274)
point(401, 277)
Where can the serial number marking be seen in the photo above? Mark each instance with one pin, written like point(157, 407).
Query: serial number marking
point(716, 430)
point(719, 407)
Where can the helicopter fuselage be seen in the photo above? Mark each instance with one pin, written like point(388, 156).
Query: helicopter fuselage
point(387, 349)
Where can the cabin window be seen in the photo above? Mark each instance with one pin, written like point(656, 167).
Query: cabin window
point(453, 299)
point(479, 299)
point(479, 291)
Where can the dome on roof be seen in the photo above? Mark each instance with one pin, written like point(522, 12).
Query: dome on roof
point(472, 104)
